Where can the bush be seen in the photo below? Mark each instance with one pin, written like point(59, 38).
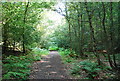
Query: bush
point(75, 70)
point(68, 60)
point(91, 68)
point(17, 67)
point(53, 48)
point(37, 52)
point(40, 51)
point(66, 55)
point(65, 52)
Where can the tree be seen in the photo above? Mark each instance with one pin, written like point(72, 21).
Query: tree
point(19, 22)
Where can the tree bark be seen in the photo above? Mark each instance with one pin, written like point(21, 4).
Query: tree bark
point(111, 34)
point(24, 21)
point(105, 35)
point(80, 50)
point(5, 37)
point(92, 34)
point(69, 26)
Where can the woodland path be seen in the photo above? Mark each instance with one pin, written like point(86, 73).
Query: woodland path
point(50, 67)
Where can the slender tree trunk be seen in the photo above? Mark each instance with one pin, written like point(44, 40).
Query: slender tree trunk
point(92, 34)
point(82, 32)
point(105, 34)
point(26, 8)
point(79, 35)
point(5, 37)
point(111, 34)
point(68, 25)
point(82, 35)
point(118, 37)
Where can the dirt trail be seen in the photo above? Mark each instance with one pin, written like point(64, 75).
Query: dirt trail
point(50, 67)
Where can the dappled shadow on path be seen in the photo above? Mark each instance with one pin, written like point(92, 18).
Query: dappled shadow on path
point(50, 67)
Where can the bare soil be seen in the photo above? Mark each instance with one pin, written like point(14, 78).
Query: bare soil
point(50, 67)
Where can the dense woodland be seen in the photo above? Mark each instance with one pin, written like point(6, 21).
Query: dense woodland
point(87, 30)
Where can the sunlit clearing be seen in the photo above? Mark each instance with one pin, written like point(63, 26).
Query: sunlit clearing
point(50, 21)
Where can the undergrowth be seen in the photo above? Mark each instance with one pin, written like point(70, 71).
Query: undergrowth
point(85, 69)
point(53, 48)
point(92, 69)
point(67, 55)
point(38, 52)
point(18, 67)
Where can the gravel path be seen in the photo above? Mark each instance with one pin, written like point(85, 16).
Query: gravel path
point(50, 67)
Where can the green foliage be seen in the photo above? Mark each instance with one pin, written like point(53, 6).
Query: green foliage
point(66, 55)
point(27, 30)
point(60, 35)
point(40, 51)
point(75, 70)
point(118, 56)
point(91, 68)
point(17, 67)
point(64, 52)
point(37, 52)
point(68, 60)
point(20, 23)
point(67, 52)
point(53, 48)
point(15, 75)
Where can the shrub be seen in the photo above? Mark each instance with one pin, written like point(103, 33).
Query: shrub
point(17, 67)
point(68, 53)
point(37, 52)
point(68, 60)
point(65, 53)
point(16, 75)
point(91, 68)
point(75, 70)
point(53, 48)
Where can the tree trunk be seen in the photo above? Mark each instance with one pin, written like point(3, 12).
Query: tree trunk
point(111, 34)
point(68, 24)
point(5, 37)
point(82, 36)
point(24, 27)
point(106, 36)
point(92, 34)
point(79, 35)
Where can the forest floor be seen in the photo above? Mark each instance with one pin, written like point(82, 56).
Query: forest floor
point(50, 67)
